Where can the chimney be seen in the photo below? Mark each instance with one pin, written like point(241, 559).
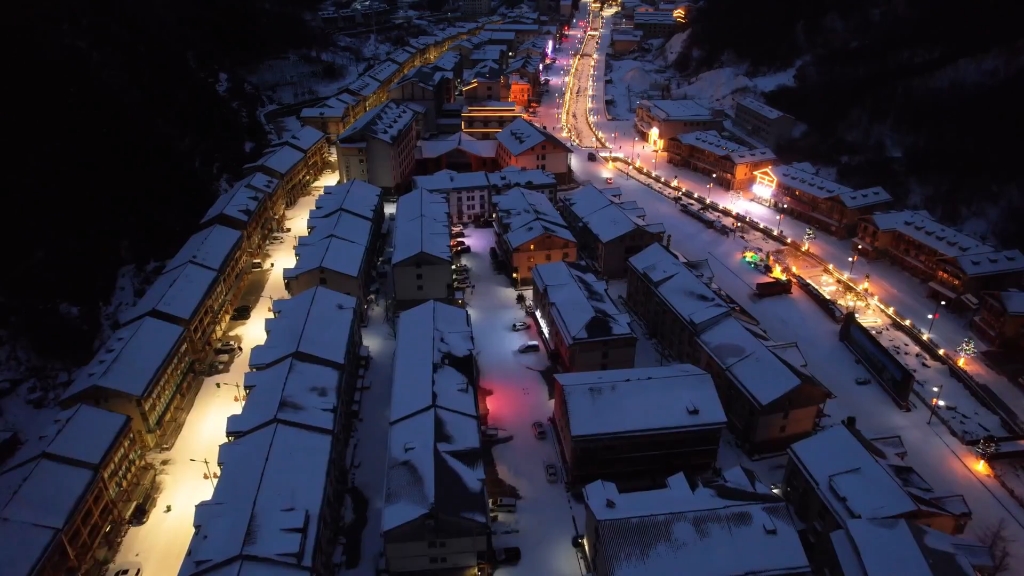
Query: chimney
point(609, 502)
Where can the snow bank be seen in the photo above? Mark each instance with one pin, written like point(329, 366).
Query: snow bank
point(672, 49)
point(721, 87)
point(633, 74)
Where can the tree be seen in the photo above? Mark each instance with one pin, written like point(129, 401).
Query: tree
point(999, 544)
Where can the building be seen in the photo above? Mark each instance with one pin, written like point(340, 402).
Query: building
point(143, 371)
point(380, 148)
point(609, 231)
point(659, 120)
point(421, 263)
point(768, 396)
point(295, 162)
point(428, 87)
point(656, 24)
point(625, 40)
point(637, 426)
point(485, 82)
point(520, 90)
point(490, 54)
point(333, 115)
point(877, 547)
point(762, 122)
point(734, 526)
point(457, 152)
point(314, 146)
point(529, 147)
point(530, 232)
point(822, 203)
point(340, 252)
point(434, 515)
point(583, 328)
point(1000, 320)
point(469, 193)
point(730, 165)
point(523, 32)
point(484, 120)
point(839, 475)
point(314, 326)
point(475, 8)
point(955, 264)
point(248, 208)
point(66, 494)
point(198, 287)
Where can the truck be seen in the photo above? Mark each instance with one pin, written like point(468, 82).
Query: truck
point(773, 287)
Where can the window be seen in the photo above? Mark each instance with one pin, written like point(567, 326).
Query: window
point(547, 257)
point(565, 255)
point(431, 543)
point(604, 355)
point(604, 366)
point(782, 429)
point(323, 281)
point(419, 287)
point(419, 276)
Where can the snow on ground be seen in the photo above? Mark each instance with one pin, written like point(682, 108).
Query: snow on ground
point(299, 77)
point(667, 54)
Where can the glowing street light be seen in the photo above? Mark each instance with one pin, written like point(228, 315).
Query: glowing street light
point(934, 315)
point(209, 474)
point(937, 401)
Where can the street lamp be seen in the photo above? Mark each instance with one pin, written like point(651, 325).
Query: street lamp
point(936, 402)
point(711, 185)
point(853, 259)
point(934, 315)
point(209, 474)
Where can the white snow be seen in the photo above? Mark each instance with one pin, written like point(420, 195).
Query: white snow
point(421, 226)
point(242, 201)
point(290, 392)
point(679, 286)
point(211, 248)
point(579, 303)
point(330, 253)
point(82, 434)
point(754, 367)
point(314, 324)
point(604, 216)
point(355, 197)
point(342, 225)
point(520, 136)
point(525, 215)
point(279, 161)
point(178, 293)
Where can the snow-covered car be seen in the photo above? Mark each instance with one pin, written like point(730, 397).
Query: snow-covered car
point(531, 346)
point(538, 430)
point(460, 285)
point(502, 504)
point(517, 326)
point(551, 472)
point(226, 347)
point(460, 267)
point(862, 380)
point(457, 228)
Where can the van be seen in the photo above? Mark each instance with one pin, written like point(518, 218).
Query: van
point(502, 505)
point(531, 346)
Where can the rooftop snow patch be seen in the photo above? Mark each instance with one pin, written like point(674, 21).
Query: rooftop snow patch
point(314, 326)
point(82, 435)
point(920, 226)
point(343, 225)
point(290, 392)
point(278, 161)
point(211, 248)
point(992, 263)
point(640, 400)
point(674, 110)
point(330, 253)
point(520, 136)
point(754, 367)
point(176, 294)
point(131, 359)
point(304, 140)
point(606, 217)
point(385, 122)
point(579, 303)
point(242, 201)
point(681, 288)
point(865, 197)
point(355, 197)
point(459, 141)
point(421, 227)
point(884, 547)
point(526, 214)
point(797, 179)
point(760, 108)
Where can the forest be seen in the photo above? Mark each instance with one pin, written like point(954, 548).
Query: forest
point(899, 93)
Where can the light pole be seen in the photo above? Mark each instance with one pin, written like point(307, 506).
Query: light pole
point(936, 402)
point(208, 472)
point(934, 315)
point(853, 259)
point(780, 224)
point(711, 185)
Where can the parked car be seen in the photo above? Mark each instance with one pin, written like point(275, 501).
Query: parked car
point(240, 316)
point(458, 243)
point(127, 569)
point(508, 555)
point(466, 249)
point(143, 510)
point(457, 228)
point(609, 180)
point(531, 346)
point(257, 265)
point(226, 347)
point(458, 234)
point(460, 285)
point(551, 473)
point(461, 277)
point(862, 380)
point(517, 326)
point(502, 504)
point(591, 157)
point(493, 252)
point(538, 430)
point(460, 267)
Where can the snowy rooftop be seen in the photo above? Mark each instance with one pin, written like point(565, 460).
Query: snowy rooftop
point(626, 34)
point(527, 214)
point(343, 225)
point(312, 325)
point(82, 434)
point(211, 248)
point(304, 140)
point(640, 18)
point(433, 361)
point(177, 294)
point(486, 53)
point(322, 111)
point(640, 400)
point(580, 304)
point(330, 253)
point(992, 263)
point(520, 135)
point(241, 202)
point(363, 87)
point(795, 178)
point(401, 55)
point(754, 367)
point(447, 61)
point(865, 197)
point(711, 141)
point(280, 161)
point(449, 180)
point(848, 478)
point(885, 547)
point(672, 110)
point(657, 531)
point(606, 217)
point(920, 226)
point(385, 122)
point(421, 227)
point(131, 359)
point(291, 392)
point(1013, 301)
point(512, 176)
point(679, 286)
point(383, 71)
point(266, 506)
point(458, 141)
point(355, 197)
point(760, 108)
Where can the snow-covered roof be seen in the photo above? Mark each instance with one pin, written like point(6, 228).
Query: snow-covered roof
point(1013, 301)
point(343, 225)
point(798, 179)
point(363, 87)
point(433, 364)
point(520, 135)
point(891, 546)
point(279, 161)
point(526, 214)
point(760, 108)
point(992, 263)
point(211, 248)
point(177, 294)
point(82, 435)
point(385, 122)
point(865, 197)
point(330, 253)
point(657, 531)
point(304, 139)
point(679, 286)
point(606, 217)
point(242, 201)
point(511, 176)
point(579, 303)
point(449, 180)
point(265, 510)
point(355, 197)
point(711, 141)
point(486, 53)
point(848, 478)
point(753, 366)
point(381, 72)
point(920, 226)
point(458, 141)
point(313, 325)
point(291, 392)
point(421, 226)
point(131, 359)
point(640, 400)
point(401, 55)
point(331, 112)
point(673, 110)
point(625, 34)
point(447, 61)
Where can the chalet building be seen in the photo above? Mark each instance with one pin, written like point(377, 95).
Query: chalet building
point(769, 397)
point(1000, 319)
point(829, 206)
point(248, 208)
point(421, 263)
point(714, 527)
point(578, 319)
point(762, 122)
point(333, 115)
point(68, 492)
point(609, 230)
point(315, 149)
point(380, 148)
point(295, 162)
point(469, 193)
point(428, 87)
point(483, 120)
point(656, 24)
point(730, 165)
point(875, 547)
point(529, 232)
point(659, 120)
point(529, 147)
point(457, 152)
point(677, 424)
point(955, 264)
point(485, 82)
point(839, 475)
point(625, 40)
point(434, 517)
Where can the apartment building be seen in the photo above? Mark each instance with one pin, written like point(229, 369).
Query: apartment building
point(839, 475)
point(713, 528)
point(68, 492)
point(770, 399)
point(316, 151)
point(197, 288)
point(799, 193)
point(143, 371)
point(1000, 319)
point(457, 152)
point(730, 165)
point(421, 263)
point(762, 122)
point(523, 32)
point(583, 328)
point(659, 120)
point(248, 208)
point(955, 264)
point(357, 198)
point(475, 8)
point(380, 148)
point(609, 230)
point(333, 115)
point(637, 426)
point(656, 24)
point(530, 147)
point(485, 82)
point(491, 54)
point(306, 327)
point(520, 90)
point(880, 547)
point(284, 164)
point(529, 232)
point(528, 69)
point(484, 120)
point(428, 87)
point(434, 514)
point(625, 40)
point(469, 194)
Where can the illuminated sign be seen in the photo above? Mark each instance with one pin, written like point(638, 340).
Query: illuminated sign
point(550, 46)
point(765, 183)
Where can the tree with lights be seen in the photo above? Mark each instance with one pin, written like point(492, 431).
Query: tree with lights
point(966, 349)
point(986, 447)
point(809, 237)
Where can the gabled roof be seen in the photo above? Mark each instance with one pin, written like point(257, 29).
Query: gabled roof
point(885, 547)
point(279, 161)
point(991, 263)
point(520, 135)
point(580, 304)
point(314, 325)
point(680, 288)
point(303, 140)
point(82, 435)
point(756, 369)
point(606, 217)
point(421, 227)
point(177, 294)
point(242, 201)
point(210, 248)
point(291, 392)
point(355, 197)
point(330, 253)
point(922, 227)
point(384, 122)
point(459, 141)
